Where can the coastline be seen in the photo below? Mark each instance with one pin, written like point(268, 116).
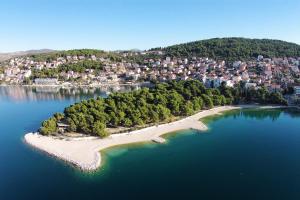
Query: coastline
point(85, 152)
point(80, 85)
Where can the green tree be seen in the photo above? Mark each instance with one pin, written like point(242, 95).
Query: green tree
point(163, 112)
point(127, 122)
point(197, 103)
point(187, 109)
point(208, 103)
point(99, 129)
point(59, 116)
point(48, 126)
point(72, 126)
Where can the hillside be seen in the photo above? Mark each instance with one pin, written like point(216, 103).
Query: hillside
point(6, 56)
point(229, 49)
point(75, 52)
point(232, 49)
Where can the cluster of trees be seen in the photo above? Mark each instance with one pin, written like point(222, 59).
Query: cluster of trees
point(161, 103)
point(44, 73)
point(252, 95)
point(263, 96)
point(233, 49)
point(137, 108)
point(50, 125)
point(140, 59)
point(81, 66)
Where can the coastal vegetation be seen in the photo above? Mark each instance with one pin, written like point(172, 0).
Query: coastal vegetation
point(164, 102)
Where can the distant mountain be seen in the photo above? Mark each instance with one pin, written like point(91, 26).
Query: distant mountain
point(6, 56)
point(232, 49)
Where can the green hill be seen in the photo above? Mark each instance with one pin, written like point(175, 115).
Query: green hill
point(229, 49)
point(232, 49)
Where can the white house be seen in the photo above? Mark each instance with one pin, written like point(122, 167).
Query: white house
point(46, 81)
point(27, 73)
point(260, 57)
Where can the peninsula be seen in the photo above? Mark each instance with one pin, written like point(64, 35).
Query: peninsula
point(137, 116)
point(85, 152)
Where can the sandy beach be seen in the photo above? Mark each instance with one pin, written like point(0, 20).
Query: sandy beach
point(85, 152)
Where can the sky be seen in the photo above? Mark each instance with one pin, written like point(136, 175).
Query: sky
point(141, 24)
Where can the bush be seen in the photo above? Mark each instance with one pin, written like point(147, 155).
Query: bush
point(99, 129)
point(49, 126)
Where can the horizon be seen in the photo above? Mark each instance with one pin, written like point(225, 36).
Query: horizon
point(131, 24)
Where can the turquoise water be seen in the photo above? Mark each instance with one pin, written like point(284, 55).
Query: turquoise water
point(250, 154)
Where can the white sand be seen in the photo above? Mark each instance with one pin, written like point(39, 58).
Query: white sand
point(85, 152)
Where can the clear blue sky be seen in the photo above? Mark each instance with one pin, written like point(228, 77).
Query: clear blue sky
point(143, 24)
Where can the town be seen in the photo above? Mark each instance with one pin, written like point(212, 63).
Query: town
point(275, 74)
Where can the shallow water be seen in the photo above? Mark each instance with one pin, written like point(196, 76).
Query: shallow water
point(249, 154)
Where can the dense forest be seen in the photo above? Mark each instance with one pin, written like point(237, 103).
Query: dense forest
point(233, 49)
point(161, 103)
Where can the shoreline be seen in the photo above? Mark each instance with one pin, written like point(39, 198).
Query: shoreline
point(80, 86)
point(85, 152)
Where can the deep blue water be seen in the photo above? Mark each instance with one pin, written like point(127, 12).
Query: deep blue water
point(250, 154)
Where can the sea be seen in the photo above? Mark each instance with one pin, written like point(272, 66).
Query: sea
point(245, 154)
